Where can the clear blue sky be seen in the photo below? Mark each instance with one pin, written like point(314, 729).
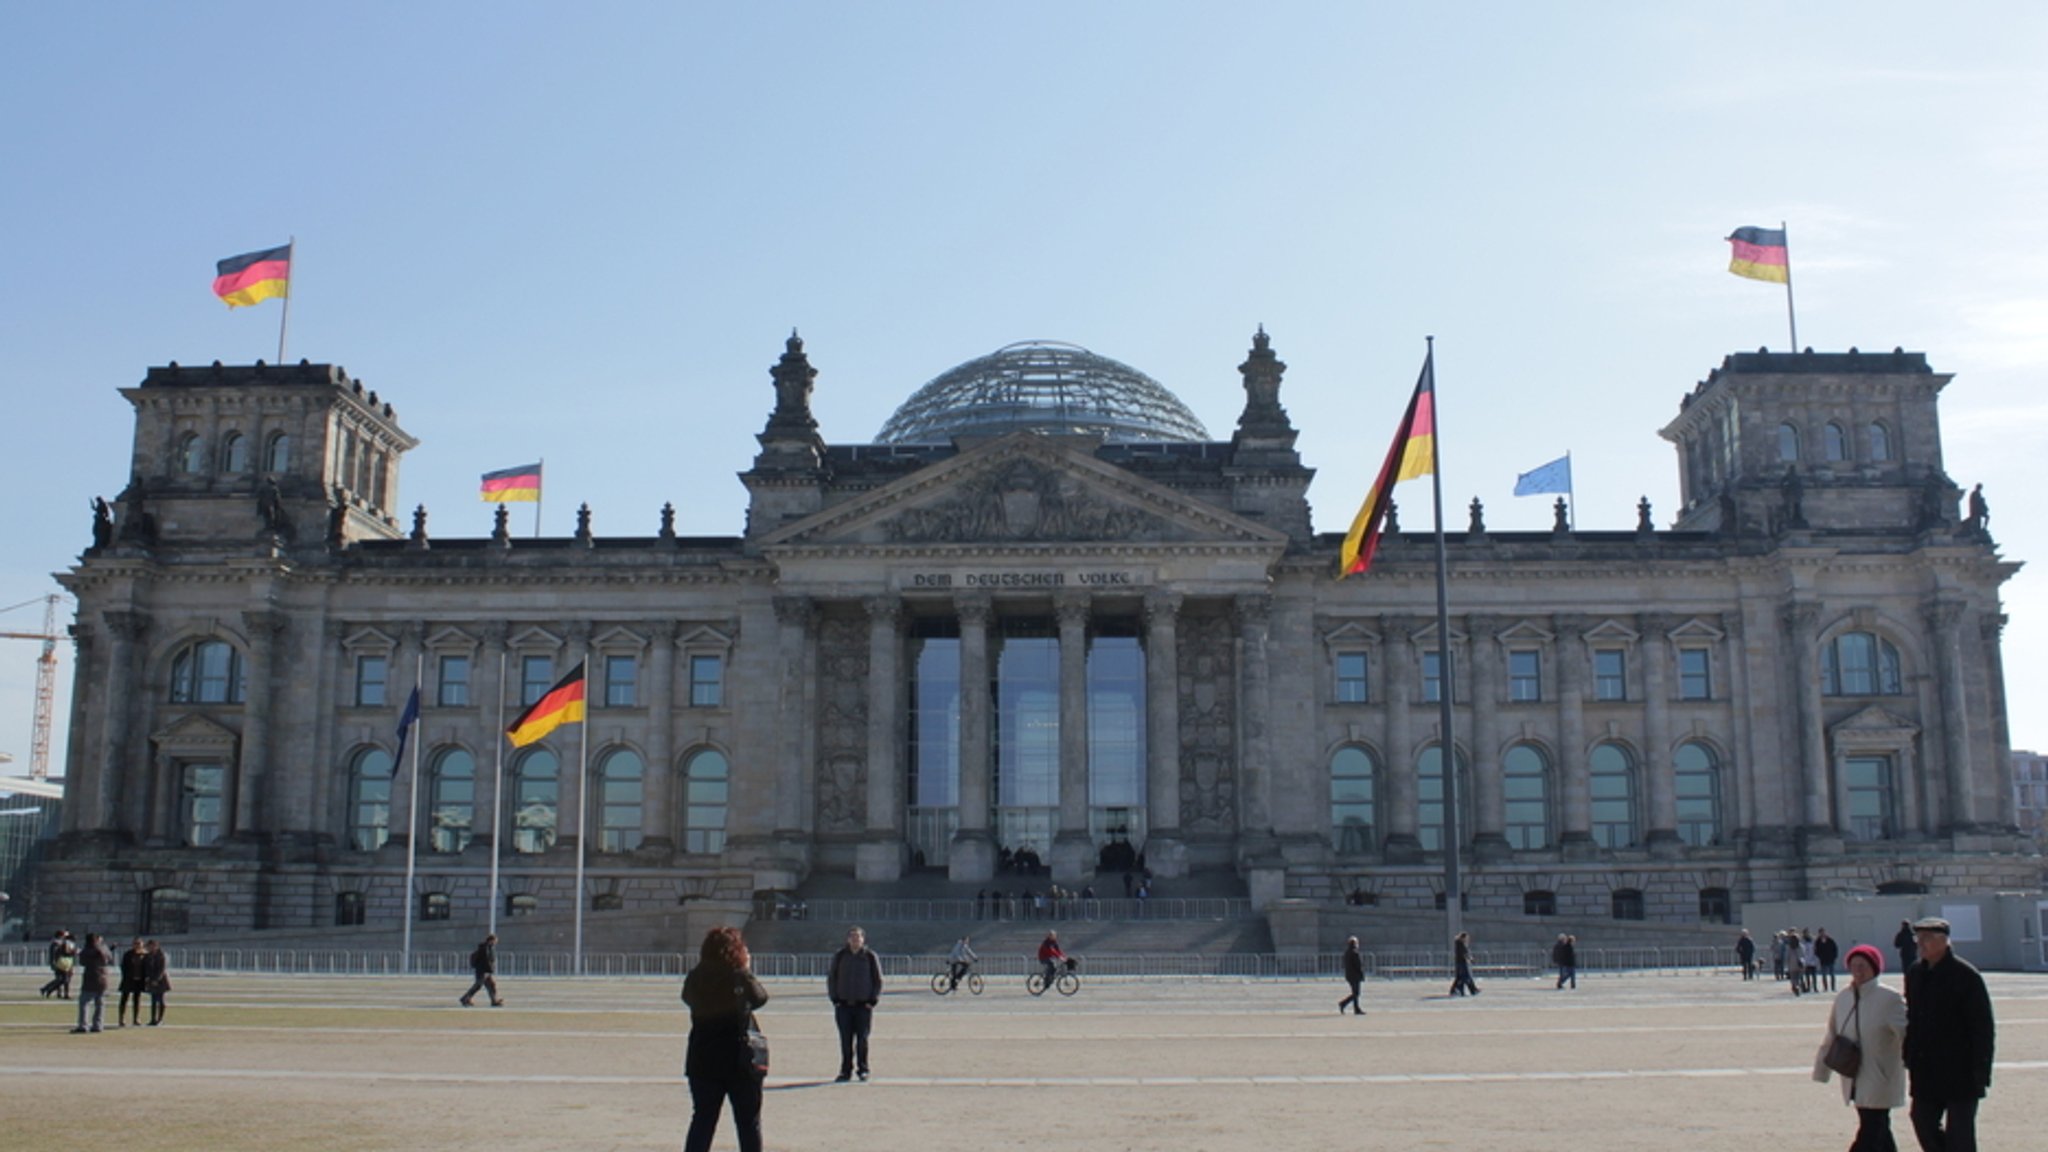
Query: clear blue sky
point(583, 231)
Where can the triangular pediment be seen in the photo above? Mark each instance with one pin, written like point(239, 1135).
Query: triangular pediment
point(194, 733)
point(1023, 489)
point(1872, 720)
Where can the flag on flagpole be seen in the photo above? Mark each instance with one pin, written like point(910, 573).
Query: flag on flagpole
point(254, 277)
point(1760, 254)
point(406, 720)
point(1412, 454)
point(562, 704)
point(1555, 476)
point(512, 485)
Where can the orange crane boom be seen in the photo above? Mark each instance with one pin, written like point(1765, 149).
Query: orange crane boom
point(46, 688)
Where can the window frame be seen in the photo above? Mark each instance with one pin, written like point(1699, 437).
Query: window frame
point(615, 833)
point(1884, 668)
point(193, 820)
point(1350, 836)
point(362, 771)
point(372, 680)
point(1607, 832)
point(1525, 676)
point(535, 839)
point(530, 687)
point(707, 692)
point(1611, 687)
point(443, 696)
point(1789, 438)
point(234, 454)
point(191, 682)
point(1349, 686)
point(1702, 679)
point(705, 838)
point(439, 781)
point(621, 692)
point(1521, 833)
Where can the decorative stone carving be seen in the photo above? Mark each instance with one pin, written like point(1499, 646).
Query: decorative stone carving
point(1208, 725)
point(842, 724)
point(1023, 501)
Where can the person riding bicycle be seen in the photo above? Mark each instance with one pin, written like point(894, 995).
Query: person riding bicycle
point(1049, 954)
point(961, 961)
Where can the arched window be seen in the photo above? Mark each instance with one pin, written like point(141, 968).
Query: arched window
point(1880, 442)
point(704, 792)
point(234, 453)
point(1525, 790)
point(166, 912)
point(208, 672)
point(191, 454)
point(1628, 904)
point(1539, 903)
point(1351, 801)
point(369, 800)
point(1614, 796)
point(278, 456)
point(1788, 444)
point(451, 803)
point(1429, 788)
point(1698, 784)
point(380, 471)
point(620, 780)
point(1859, 664)
point(1835, 442)
point(536, 785)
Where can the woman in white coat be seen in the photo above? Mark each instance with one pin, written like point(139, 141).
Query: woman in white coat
point(1875, 1017)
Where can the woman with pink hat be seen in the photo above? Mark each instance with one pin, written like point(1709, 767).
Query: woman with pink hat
point(1873, 1017)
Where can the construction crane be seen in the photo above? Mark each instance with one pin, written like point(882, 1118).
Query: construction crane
point(46, 684)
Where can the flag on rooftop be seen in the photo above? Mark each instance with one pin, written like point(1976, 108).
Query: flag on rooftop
point(562, 704)
point(1555, 476)
point(1412, 454)
point(254, 277)
point(1760, 254)
point(512, 485)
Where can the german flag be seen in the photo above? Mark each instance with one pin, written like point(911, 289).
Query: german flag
point(1413, 454)
point(1760, 254)
point(254, 277)
point(512, 485)
point(562, 704)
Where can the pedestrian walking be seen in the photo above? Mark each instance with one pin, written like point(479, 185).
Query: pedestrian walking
point(1873, 1017)
point(719, 1063)
point(1825, 952)
point(1950, 1035)
point(62, 957)
point(132, 962)
point(156, 978)
point(1354, 975)
point(854, 985)
point(1809, 961)
point(1745, 953)
point(1778, 951)
point(1793, 970)
point(1909, 948)
point(484, 963)
point(1461, 963)
point(93, 962)
point(1565, 954)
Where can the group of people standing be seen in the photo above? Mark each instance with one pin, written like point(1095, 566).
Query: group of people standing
point(1933, 1044)
point(1803, 956)
point(142, 969)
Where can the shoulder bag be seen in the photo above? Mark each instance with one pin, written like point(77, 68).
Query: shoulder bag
point(1844, 1057)
point(753, 1051)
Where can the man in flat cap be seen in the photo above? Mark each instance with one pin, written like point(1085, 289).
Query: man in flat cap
point(1948, 1041)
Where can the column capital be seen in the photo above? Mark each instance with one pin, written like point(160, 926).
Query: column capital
point(576, 633)
point(1253, 608)
point(1482, 627)
point(1654, 626)
point(976, 608)
point(665, 631)
point(1991, 625)
point(1162, 607)
point(494, 634)
point(124, 624)
point(797, 610)
point(1943, 615)
point(1072, 609)
point(883, 609)
point(264, 623)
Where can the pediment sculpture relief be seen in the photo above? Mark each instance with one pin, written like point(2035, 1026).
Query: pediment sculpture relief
point(1023, 501)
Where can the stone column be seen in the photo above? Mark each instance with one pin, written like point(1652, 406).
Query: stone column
point(1165, 852)
point(1575, 778)
point(1073, 850)
point(972, 856)
point(330, 793)
point(1489, 839)
point(881, 854)
point(793, 616)
point(657, 812)
point(124, 700)
point(1991, 632)
point(1944, 625)
point(256, 803)
point(1658, 781)
point(1801, 631)
point(1403, 846)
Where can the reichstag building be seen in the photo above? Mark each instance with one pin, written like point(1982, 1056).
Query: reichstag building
point(1044, 610)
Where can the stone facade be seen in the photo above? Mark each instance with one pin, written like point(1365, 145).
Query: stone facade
point(910, 658)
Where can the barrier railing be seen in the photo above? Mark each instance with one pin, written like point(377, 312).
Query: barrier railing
point(1011, 907)
point(1419, 964)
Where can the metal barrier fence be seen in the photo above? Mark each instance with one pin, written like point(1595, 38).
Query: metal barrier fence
point(1420, 964)
point(1010, 907)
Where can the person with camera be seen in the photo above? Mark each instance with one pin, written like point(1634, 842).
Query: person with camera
point(722, 992)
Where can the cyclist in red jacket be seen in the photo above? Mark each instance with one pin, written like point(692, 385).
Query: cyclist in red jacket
point(1049, 954)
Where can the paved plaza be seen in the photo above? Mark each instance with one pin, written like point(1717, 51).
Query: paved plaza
point(1625, 1062)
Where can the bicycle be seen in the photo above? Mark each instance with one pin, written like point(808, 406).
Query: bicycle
point(942, 982)
point(1067, 981)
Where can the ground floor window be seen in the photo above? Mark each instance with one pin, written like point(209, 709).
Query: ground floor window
point(349, 910)
point(1539, 903)
point(166, 912)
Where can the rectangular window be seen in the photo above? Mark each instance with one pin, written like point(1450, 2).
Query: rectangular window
point(1525, 677)
point(1610, 674)
point(1695, 675)
point(621, 681)
point(202, 805)
point(1869, 785)
point(454, 687)
point(536, 676)
point(707, 681)
point(1432, 680)
point(371, 672)
point(1351, 678)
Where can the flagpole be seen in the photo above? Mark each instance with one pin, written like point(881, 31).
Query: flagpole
point(412, 825)
point(539, 490)
point(1571, 494)
point(498, 796)
point(1447, 748)
point(291, 248)
point(1791, 317)
point(582, 813)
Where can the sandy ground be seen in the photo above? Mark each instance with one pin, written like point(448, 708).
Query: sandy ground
point(1622, 1064)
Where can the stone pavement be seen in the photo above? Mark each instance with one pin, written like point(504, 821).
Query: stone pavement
point(1623, 1063)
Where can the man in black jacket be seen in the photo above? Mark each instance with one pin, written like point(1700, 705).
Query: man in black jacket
point(854, 985)
point(484, 962)
point(1948, 1041)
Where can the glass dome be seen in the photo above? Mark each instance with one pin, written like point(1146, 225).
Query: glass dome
point(1045, 387)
